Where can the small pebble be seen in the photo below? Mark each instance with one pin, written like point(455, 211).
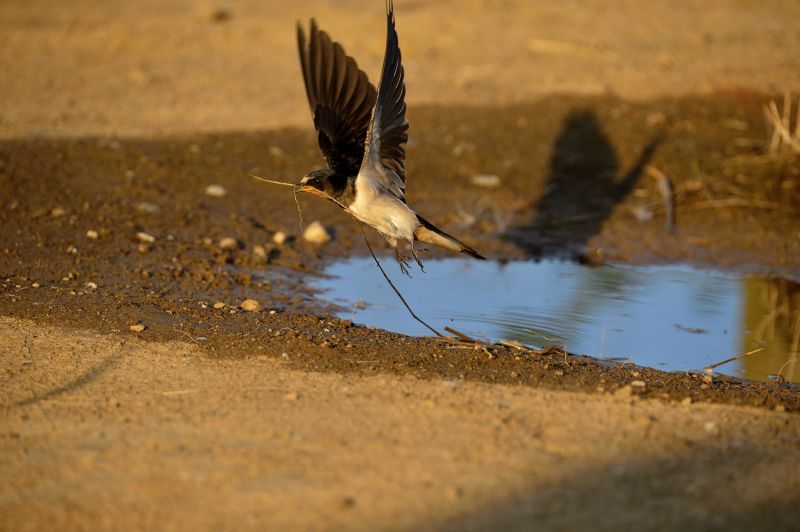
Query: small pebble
point(35, 285)
point(273, 312)
point(316, 234)
point(216, 191)
point(91, 286)
point(228, 243)
point(638, 384)
point(219, 304)
point(138, 327)
point(260, 251)
point(58, 211)
point(148, 207)
point(279, 238)
point(91, 233)
point(250, 305)
point(485, 180)
point(145, 237)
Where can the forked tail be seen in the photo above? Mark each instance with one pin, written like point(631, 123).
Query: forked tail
point(429, 233)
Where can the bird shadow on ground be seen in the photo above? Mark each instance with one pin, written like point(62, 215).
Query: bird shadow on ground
point(583, 187)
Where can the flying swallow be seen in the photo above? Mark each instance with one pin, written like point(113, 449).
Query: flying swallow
point(361, 133)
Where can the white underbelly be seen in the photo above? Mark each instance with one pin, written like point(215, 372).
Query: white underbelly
point(385, 213)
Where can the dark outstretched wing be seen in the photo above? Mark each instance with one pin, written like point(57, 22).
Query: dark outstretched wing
point(341, 99)
point(384, 161)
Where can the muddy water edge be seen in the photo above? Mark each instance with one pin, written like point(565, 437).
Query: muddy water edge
point(580, 179)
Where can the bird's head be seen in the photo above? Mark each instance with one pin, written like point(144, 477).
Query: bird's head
point(317, 182)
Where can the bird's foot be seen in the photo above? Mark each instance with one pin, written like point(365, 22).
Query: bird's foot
point(416, 258)
point(402, 261)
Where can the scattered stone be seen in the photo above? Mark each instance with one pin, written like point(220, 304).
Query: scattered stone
point(316, 233)
point(708, 379)
point(485, 180)
point(35, 285)
point(144, 248)
point(58, 211)
point(250, 305)
point(138, 327)
point(72, 250)
point(221, 15)
point(260, 252)
point(285, 356)
point(216, 191)
point(455, 493)
point(291, 396)
point(148, 207)
point(147, 238)
point(91, 233)
point(279, 238)
point(638, 384)
point(91, 286)
point(228, 243)
point(219, 304)
point(273, 312)
point(345, 503)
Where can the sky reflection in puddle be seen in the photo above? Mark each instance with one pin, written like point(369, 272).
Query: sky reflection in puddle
point(673, 318)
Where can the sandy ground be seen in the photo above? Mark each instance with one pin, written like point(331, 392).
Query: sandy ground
point(149, 67)
point(112, 432)
point(109, 432)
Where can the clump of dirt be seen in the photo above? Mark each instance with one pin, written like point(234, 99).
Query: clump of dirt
point(107, 233)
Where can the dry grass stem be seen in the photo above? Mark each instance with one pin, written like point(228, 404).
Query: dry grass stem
point(785, 135)
point(737, 357)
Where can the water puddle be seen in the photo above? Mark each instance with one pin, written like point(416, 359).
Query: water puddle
point(672, 318)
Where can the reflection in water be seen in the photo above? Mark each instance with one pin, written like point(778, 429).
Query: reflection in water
point(771, 320)
point(675, 318)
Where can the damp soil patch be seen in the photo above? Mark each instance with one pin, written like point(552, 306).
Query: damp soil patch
point(103, 233)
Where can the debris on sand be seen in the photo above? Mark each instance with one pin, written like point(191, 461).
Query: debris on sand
point(228, 243)
point(92, 234)
point(216, 191)
point(316, 233)
point(137, 327)
point(219, 304)
point(250, 305)
point(147, 238)
point(148, 207)
point(280, 238)
point(485, 180)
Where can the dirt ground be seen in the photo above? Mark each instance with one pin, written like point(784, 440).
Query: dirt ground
point(118, 117)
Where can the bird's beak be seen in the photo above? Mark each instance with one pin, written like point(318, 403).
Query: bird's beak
point(302, 187)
